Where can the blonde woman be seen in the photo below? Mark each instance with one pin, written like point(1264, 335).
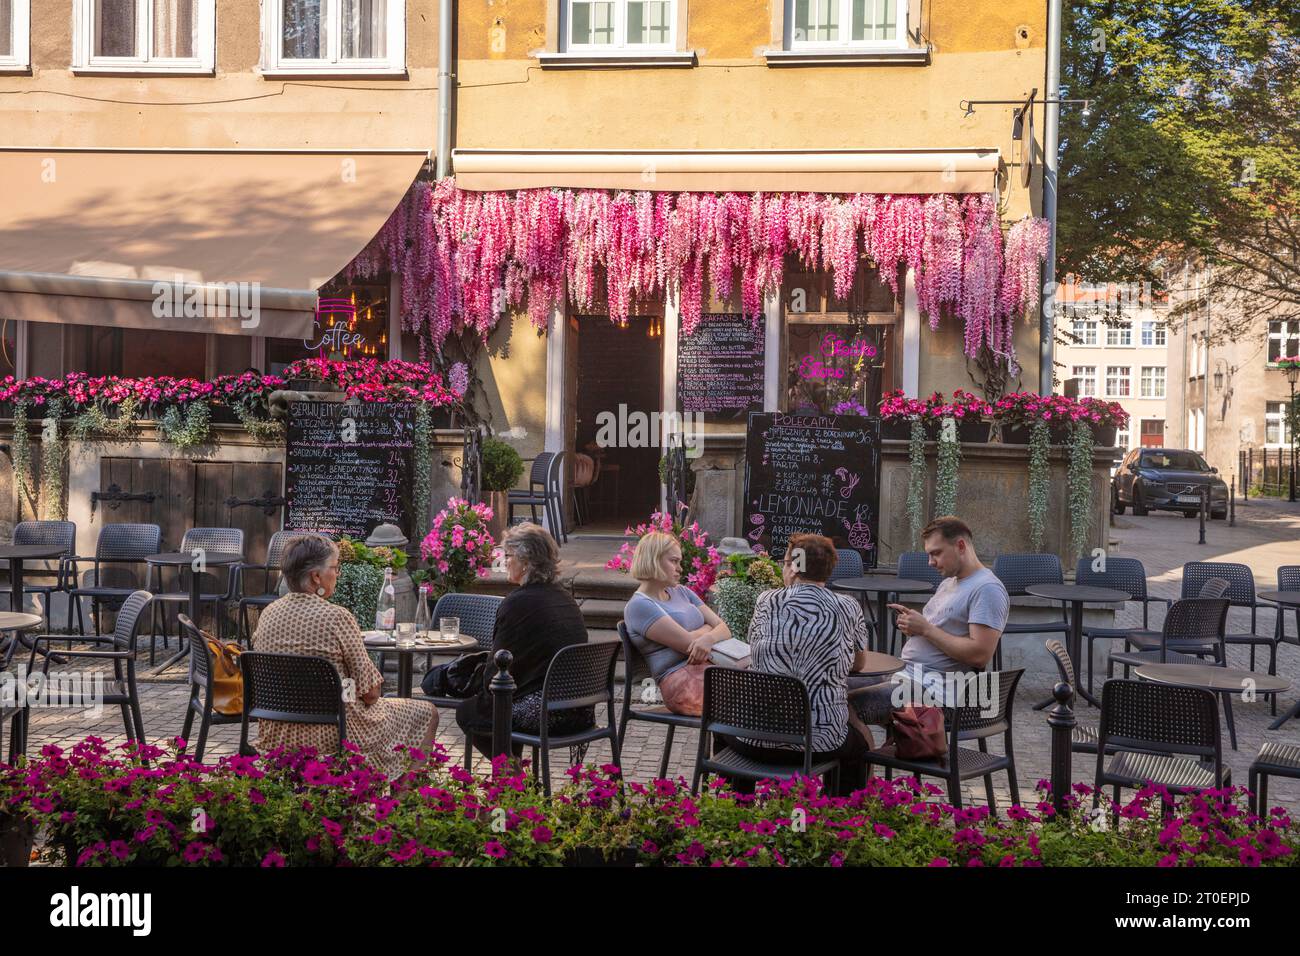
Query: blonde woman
point(672, 628)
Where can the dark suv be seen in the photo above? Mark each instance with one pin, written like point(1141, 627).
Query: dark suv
point(1167, 479)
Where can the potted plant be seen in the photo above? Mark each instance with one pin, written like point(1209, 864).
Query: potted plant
point(741, 579)
point(17, 831)
point(502, 467)
point(700, 559)
point(361, 574)
point(458, 547)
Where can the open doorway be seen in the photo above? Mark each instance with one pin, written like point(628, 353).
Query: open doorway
point(619, 387)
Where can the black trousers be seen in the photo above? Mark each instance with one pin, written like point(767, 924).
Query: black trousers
point(850, 754)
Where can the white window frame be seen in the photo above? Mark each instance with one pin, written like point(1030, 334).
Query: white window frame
point(1119, 335)
point(1285, 331)
point(203, 63)
point(1127, 377)
point(898, 42)
point(1142, 382)
point(1085, 330)
point(274, 64)
point(1087, 376)
point(1278, 419)
point(1156, 328)
point(1124, 438)
point(620, 44)
point(21, 58)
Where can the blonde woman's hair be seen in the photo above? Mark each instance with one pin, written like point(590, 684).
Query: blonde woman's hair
point(650, 551)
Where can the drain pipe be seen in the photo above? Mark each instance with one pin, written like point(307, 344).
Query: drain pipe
point(1051, 149)
point(442, 158)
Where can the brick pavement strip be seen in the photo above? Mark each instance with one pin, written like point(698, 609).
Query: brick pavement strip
point(1266, 536)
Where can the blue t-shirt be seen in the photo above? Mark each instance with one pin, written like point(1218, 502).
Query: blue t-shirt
point(643, 611)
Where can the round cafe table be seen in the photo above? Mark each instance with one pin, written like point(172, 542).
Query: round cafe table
point(15, 621)
point(1076, 595)
point(879, 665)
point(1284, 599)
point(1221, 680)
point(405, 655)
point(186, 559)
point(16, 554)
point(881, 585)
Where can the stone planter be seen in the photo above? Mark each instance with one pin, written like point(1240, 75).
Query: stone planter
point(498, 501)
point(16, 839)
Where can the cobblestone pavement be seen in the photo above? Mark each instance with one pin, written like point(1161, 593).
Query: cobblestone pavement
point(1267, 535)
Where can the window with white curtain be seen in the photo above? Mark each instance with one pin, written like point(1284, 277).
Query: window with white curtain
point(611, 25)
point(15, 21)
point(847, 23)
point(1153, 333)
point(1120, 333)
point(1153, 381)
point(334, 36)
point(1085, 330)
point(1118, 381)
point(1276, 431)
point(152, 36)
point(1087, 376)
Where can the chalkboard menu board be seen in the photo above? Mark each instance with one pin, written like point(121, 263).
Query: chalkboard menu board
point(720, 366)
point(813, 473)
point(349, 466)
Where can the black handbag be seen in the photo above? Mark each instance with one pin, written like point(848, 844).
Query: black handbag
point(462, 677)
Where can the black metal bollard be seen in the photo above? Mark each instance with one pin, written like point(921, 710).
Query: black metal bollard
point(1061, 721)
point(1232, 504)
point(502, 688)
point(1201, 514)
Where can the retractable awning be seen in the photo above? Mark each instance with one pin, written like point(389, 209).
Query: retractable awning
point(235, 242)
point(827, 171)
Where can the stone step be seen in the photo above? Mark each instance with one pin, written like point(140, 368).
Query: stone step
point(602, 613)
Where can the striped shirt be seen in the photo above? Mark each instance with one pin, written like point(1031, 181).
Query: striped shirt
point(811, 633)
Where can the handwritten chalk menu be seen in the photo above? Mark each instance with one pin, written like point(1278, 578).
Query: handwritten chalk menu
point(348, 466)
point(720, 366)
point(813, 473)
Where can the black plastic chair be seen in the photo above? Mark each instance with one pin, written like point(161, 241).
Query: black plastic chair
point(1017, 572)
point(543, 492)
point(293, 688)
point(270, 568)
point(966, 723)
point(1122, 574)
point(1288, 579)
point(16, 716)
point(200, 701)
point(1148, 640)
point(635, 670)
point(1274, 760)
point(1193, 630)
point(848, 564)
point(478, 619)
point(580, 675)
point(916, 565)
point(120, 552)
point(1146, 726)
point(1241, 593)
point(216, 540)
point(754, 706)
point(1083, 740)
point(56, 534)
point(121, 689)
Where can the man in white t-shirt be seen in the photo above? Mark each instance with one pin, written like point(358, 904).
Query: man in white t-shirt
point(956, 633)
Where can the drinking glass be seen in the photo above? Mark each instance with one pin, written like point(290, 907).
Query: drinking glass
point(405, 635)
point(449, 627)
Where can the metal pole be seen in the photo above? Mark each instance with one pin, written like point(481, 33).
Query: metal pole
point(1051, 150)
point(1250, 474)
point(446, 29)
point(1286, 421)
point(1232, 504)
point(1205, 494)
point(502, 689)
point(1061, 721)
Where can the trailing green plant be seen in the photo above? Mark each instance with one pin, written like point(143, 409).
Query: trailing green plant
point(186, 426)
point(357, 590)
point(916, 480)
point(502, 465)
point(94, 421)
point(1080, 485)
point(1040, 475)
point(22, 455)
point(250, 411)
point(948, 463)
point(741, 579)
point(689, 475)
point(54, 451)
point(422, 456)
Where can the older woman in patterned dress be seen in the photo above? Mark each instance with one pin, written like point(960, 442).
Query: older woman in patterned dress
point(305, 622)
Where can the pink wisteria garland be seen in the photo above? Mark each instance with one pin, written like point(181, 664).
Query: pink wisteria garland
point(466, 256)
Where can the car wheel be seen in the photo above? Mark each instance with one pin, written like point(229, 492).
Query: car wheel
point(1139, 506)
point(1116, 505)
point(1189, 514)
point(1219, 515)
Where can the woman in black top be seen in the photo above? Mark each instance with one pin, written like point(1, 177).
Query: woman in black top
point(535, 621)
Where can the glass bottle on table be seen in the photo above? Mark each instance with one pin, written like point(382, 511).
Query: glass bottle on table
point(423, 618)
point(386, 605)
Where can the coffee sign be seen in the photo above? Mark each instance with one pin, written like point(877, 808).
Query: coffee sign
point(348, 466)
point(720, 366)
point(816, 474)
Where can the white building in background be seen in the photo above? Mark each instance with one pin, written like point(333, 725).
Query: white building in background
point(1116, 348)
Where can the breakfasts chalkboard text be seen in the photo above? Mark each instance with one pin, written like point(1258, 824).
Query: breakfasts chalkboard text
point(348, 466)
point(720, 366)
